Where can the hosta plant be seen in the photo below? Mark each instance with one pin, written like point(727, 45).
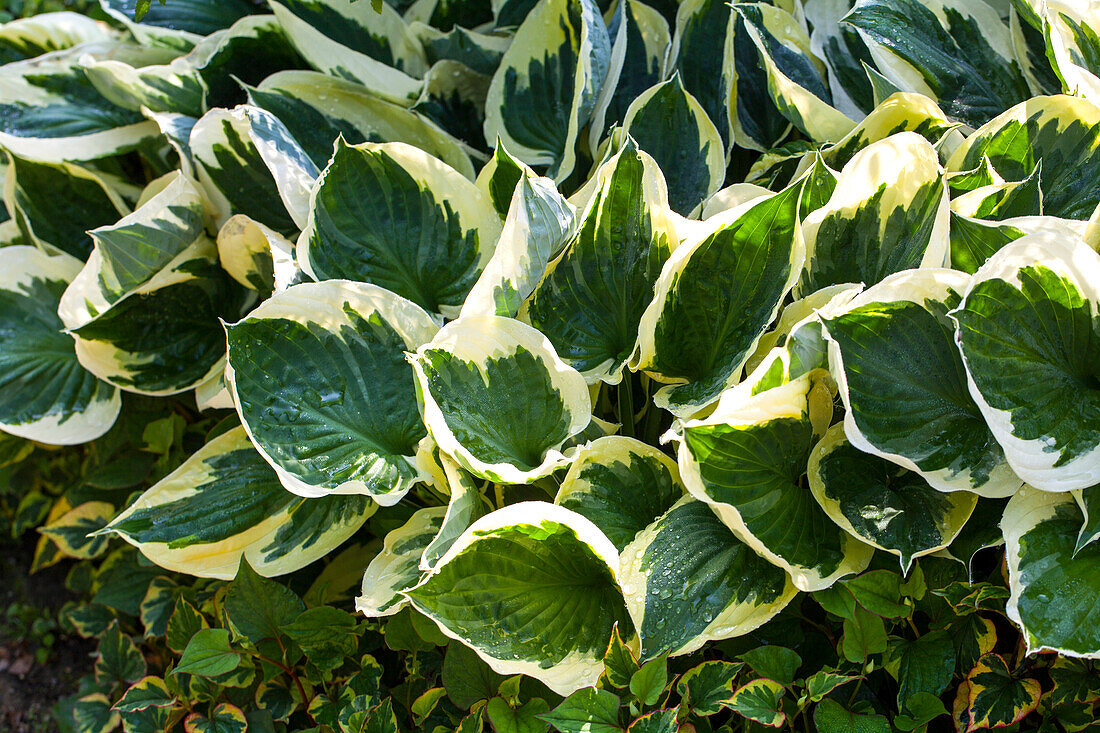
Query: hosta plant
point(626, 337)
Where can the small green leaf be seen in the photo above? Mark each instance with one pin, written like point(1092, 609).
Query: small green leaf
point(649, 682)
point(920, 709)
point(145, 693)
point(208, 654)
point(259, 607)
point(587, 710)
point(525, 719)
point(183, 624)
point(707, 687)
point(326, 635)
point(467, 677)
point(774, 662)
point(864, 635)
point(620, 664)
point(997, 699)
point(93, 714)
point(224, 718)
point(119, 661)
point(879, 591)
point(759, 700)
point(923, 665)
point(824, 681)
point(659, 721)
point(831, 717)
point(157, 606)
point(423, 706)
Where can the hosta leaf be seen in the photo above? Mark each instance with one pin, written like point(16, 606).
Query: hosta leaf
point(349, 40)
point(958, 53)
point(54, 205)
point(25, 38)
point(539, 224)
point(394, 216)
point(796, 79)
point(841, 48)
point(1028, 335)
point(1073, 46)
point(477, 51)
point(901, 112)
point(499, 177)
point(640, 40)
point(1000, 201)
point(715, 297)
point(800, 332)
point(465, 507)
point(730, 198)
point(1054, 597)
point(892, 193)
point(622, 485)
point(129, 253)
point(319, 377)
point(318, 108)
point(981, 532)
point(883, 504)
point(1089, 501)
point(197, 17)
point(905, 388)
point(246, 53)
point(669, 124)
point(289, 164)
point(397, 566)
point(176, 129)
point(545, 89)
point(592, 297)
point(497, 398)
point(232, 173)
point(52, 113)
point(446, 14)
point(995, 699)
point(256, 256)
point(701, 52)
point(454, 98)
point(1063, 132)
point(973, 241)
point(688, 580)
point(145, 308)
point(225, 503)
point(174, 87)
point(45, 394)
point(551, 577)
point(747, 460)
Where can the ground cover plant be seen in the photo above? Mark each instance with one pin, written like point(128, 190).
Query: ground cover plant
point(513, 365)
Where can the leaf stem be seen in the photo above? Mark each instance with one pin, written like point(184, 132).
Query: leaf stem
point(626, 405)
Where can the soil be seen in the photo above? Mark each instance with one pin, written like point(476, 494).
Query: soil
point(27, 689)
